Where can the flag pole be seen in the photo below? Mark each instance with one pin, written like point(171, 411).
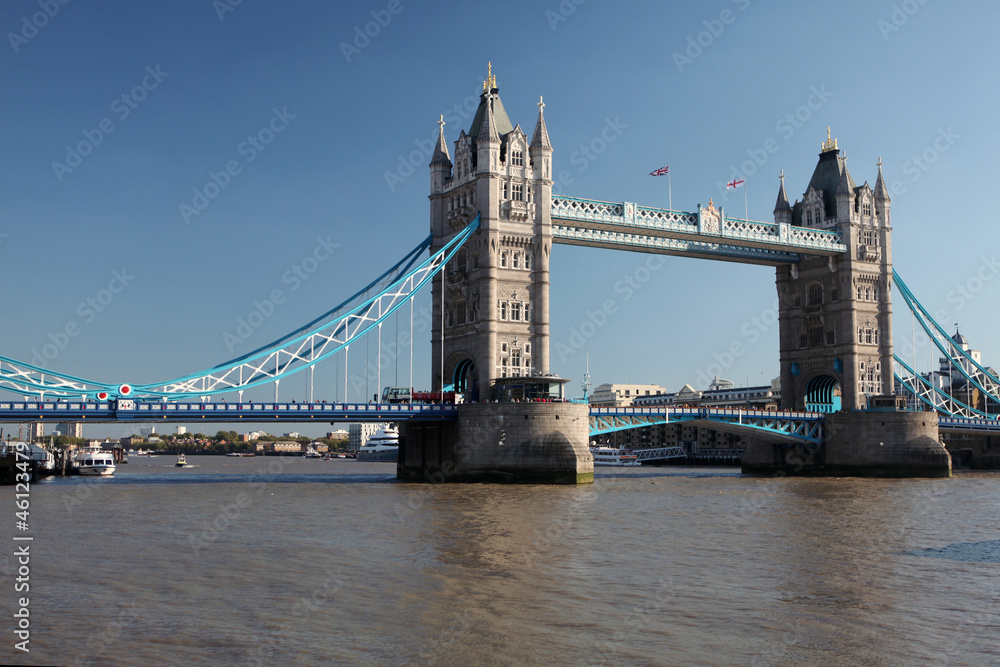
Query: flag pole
point(670, 191)
point(746, 207)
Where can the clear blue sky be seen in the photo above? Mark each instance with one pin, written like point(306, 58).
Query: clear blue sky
point(700, 86)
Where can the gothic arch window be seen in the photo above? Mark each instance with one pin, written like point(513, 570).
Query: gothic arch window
point(527, 260)
point(516, 259)
point(503, 259)
point(860, 293)
point(815, 294)
point(517, 158)
point(506, 190)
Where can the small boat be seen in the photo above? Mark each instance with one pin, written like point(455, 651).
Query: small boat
point(311, 453)
point(181, 461)
point(93, 461)
point(614, 456)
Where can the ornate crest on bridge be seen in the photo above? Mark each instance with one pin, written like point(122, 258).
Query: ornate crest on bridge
point(710, 219)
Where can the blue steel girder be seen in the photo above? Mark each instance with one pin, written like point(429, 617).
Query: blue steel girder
point(706, 234)
point(784, 426)
point(991, 425)
point(129, 410)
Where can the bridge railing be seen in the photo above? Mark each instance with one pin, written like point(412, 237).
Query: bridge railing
point(714, 412)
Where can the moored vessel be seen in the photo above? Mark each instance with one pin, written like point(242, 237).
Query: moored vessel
point(383, 446)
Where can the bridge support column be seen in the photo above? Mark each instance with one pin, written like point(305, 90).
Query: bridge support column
point(859, 444)
point(517, 443)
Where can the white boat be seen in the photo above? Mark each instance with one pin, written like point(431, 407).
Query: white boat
point(383, 446)
point(43, 458)
point(614, 456)
point(311, 453)
point(181, 461)
point(93, 461)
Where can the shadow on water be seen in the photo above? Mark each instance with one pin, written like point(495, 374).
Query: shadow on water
point(970, 552)
point(287, 478)
point(612, 472)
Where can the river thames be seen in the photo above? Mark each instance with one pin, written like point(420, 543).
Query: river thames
point(281, 561)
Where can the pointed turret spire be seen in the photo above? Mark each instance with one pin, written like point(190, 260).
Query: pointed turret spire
point(845, 186)
point(441, 150)
point(782, 203)
point(488, 130)
point(541, 136)
point(881, 192)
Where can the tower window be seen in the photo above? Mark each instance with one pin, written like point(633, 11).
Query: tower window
point(515, 312)
point(506, 190)
point(518, 192)
point(831, 337)
point(503, 310)
point(503, 259)
point(517, 158)
point(515, 259)
point(815, 294)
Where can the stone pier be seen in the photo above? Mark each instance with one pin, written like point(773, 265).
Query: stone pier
point(517, 443)
point(860, 444)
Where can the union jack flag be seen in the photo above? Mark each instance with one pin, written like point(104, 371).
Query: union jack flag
point(662, 171)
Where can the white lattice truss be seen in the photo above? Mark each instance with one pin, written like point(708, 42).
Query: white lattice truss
point(931, 396)
point(291, 354)
point(628, 226)
point(977, 375)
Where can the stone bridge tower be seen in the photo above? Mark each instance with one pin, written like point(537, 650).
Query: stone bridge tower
point(496, 289)
point(835, 314)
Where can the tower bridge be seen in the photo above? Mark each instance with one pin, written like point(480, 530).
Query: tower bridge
point(493, 223)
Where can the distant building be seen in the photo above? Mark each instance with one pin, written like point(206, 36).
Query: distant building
point(72, 429)
point(358, 434)
point(622, 395)
point(337, 435)
point(286, 446)
point(146, 431)
point(181, 430)
point(293, 434)
point(721, 393)
point(36, 431)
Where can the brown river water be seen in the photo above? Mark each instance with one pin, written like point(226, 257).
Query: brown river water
point(269, 561)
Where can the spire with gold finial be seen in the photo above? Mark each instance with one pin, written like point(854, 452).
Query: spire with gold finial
point(829, 144)
point(491, 81)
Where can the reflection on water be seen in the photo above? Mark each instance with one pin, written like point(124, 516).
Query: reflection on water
point(269, 561)
point(972, 552)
